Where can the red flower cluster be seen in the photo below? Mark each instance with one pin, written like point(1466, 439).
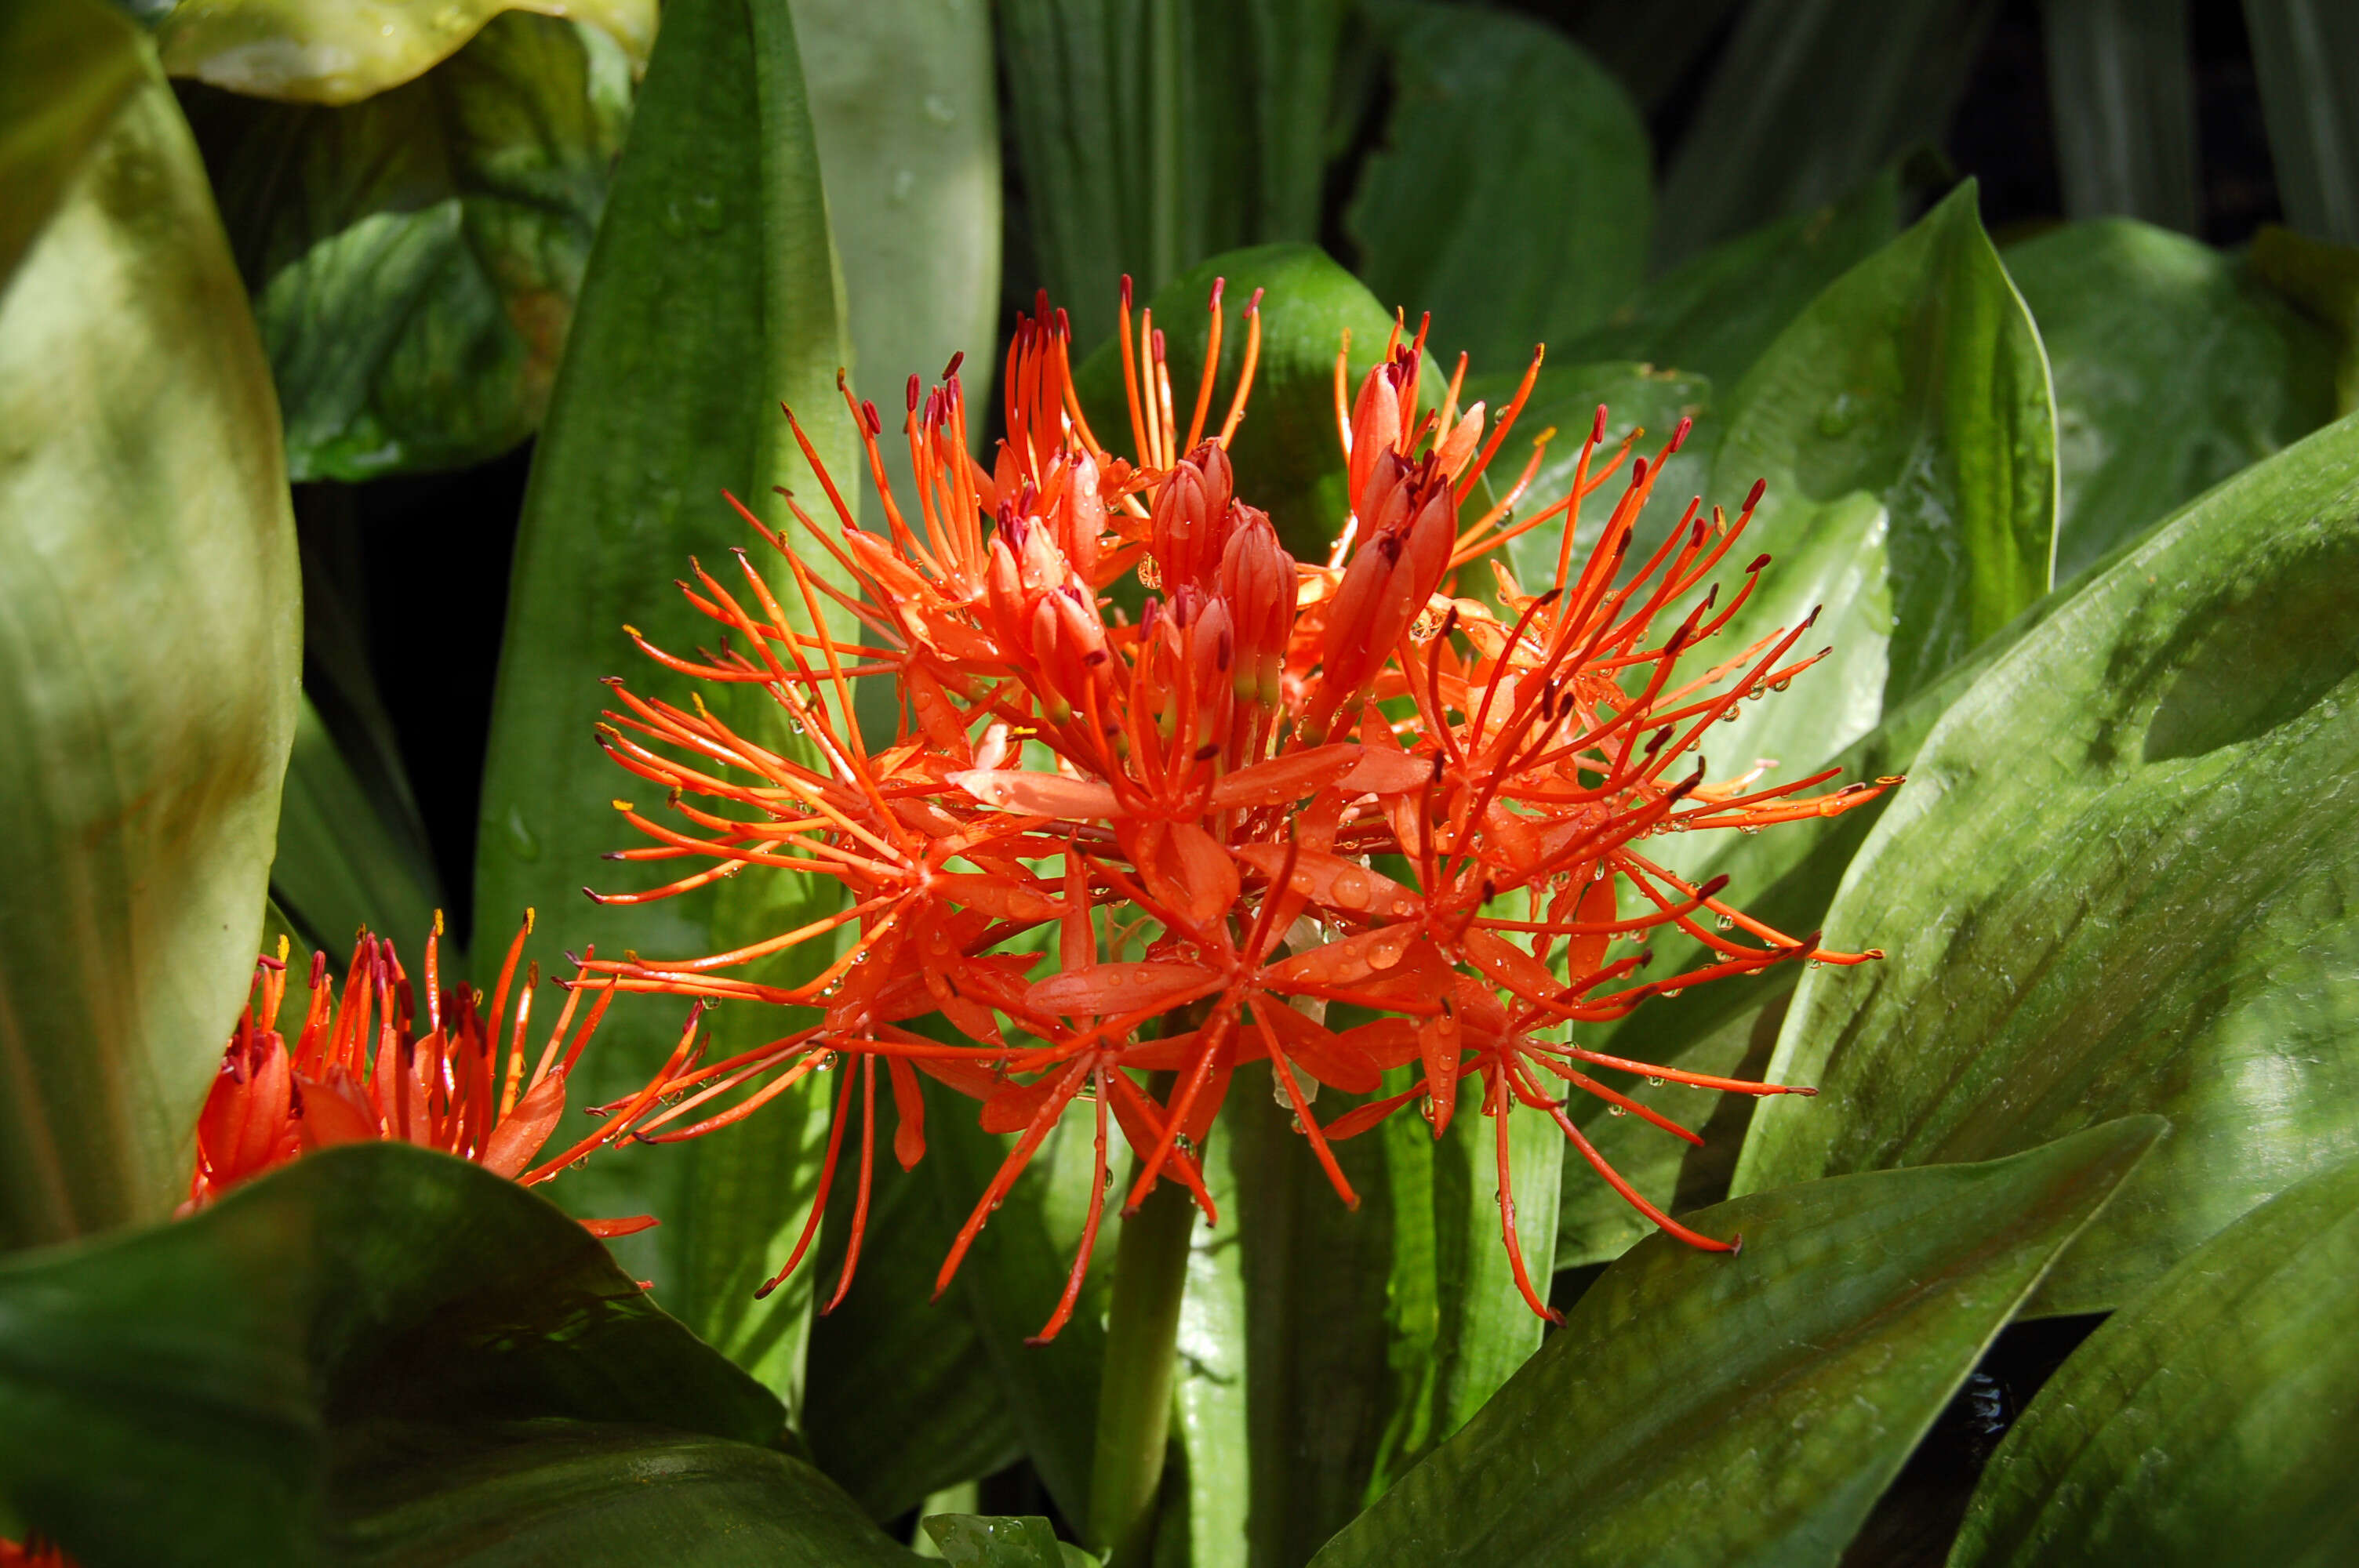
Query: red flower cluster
point(360, 1070)
point(1279, 788)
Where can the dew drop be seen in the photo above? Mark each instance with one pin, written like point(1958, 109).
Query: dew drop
point(1756, 694)
point(1654, 1080)
point(1730, 717)
point(1351, 892)
point(1150, 575)
point(1726, 922)
point(1674, 992)
point(1816, 965)
point(1299, 882)
point(1781, 684)
point(1617, 1110)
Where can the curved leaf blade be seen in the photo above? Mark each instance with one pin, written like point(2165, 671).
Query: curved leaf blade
point(149, 642)
point(711, 298)
point(2215, 1408)
point(337, 51)
point(2115, 883)
point(1513, 195)
point(2171, 373)
point(1702, 1409)
point(166, 1394)
point(414, 259)
point(1907, 433)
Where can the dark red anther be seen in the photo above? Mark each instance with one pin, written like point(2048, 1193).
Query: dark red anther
point(1712, 886)
point(1687, 423)
point(875, 424)
point(1597, 430)
point(913, 391)
point(1753, 496)
point(1758, 562)
point(1125, 291)
point(1218, 284)
point(1637, 473)
point(959, 359)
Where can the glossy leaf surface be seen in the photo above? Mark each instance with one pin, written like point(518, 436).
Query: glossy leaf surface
point(398, 1308)
point(1512, 194)
point(1699, 1408)
point(976, 1540)
point(414, 259)
point(148, 630)
point(2116, 883)
point(1289, 462)
point(709, 299)
point(1806, 102)
point(1904, 427)
point(2172, 371)
point(2215, 1408)
point(340, 51)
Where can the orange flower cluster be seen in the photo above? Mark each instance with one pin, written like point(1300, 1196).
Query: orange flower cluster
point(1278, 788)
point(361, 1070)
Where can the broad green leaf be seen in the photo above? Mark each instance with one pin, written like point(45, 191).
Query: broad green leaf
point(1513, 195)
point(414, 259)
point(903, 1400)
point(149, 634)
point(340, 865)
point(2303, 53)
point(340, 51)
point(2215, 1409)
point(1699, 1408)
point(203, 1371)
point(2172, 372)
point(1154, 134)
point(1650, 48)
point(2123, 102)
point(1713, 316)
point(1289, 461)
point(2118, 882)
point(974, 1541)
point(2322, 281)
point(902, 109)
point(1905, 428)
point(1786, 876)
point(710, 296)
point(1211, 1397)
point(1809, 101)
point(593, 1496)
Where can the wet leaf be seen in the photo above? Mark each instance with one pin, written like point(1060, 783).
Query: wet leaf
point(148, 629)
point(1699, 1408)
point(2172, 371)
point(1513, 193)
point(2215, 1409)
point(974, 1541)
point(1904, 427)
point(380, 1354)
point(2116, 883)
point(340, 51)
point(414, 259)
point(710, 296)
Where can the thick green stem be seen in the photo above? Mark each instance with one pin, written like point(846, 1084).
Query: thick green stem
point(1150, 1276)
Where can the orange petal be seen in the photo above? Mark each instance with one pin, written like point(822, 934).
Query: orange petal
point(523, 1130)
point(1282, 781)
point(1103, 988)
point(1037, 794)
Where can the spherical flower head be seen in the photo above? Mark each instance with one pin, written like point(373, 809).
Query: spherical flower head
point(1123, 856)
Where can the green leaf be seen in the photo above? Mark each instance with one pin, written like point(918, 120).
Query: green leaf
point(1904, 426)
point(2172, 372)
point(1289, 462)
point(972, 1541)
point(330, 51)
point(388, 1354)
point(2322, 281)
point(340, 864)
point(2124, 103)
point(1513, 195)
point(908, 131)
point(1156, 132)
point(2118, 882)
point(414, 259)
point(710, 296)
point(594, 1496)
point(2303, 53)
point(904, 1401)
point(2215, 1408)
point(1714, 315)
point(1698, 1408)
point(1805, 104)
point(149, 633)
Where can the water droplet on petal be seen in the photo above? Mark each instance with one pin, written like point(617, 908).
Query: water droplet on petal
point(1617, 1110)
